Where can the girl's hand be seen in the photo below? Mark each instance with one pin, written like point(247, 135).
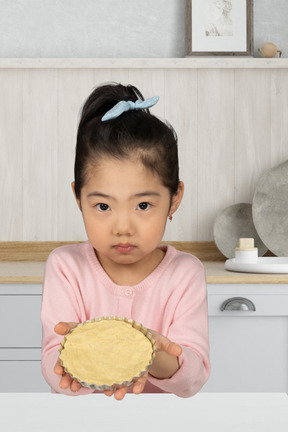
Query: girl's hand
point(164, 365)
point(62, 328)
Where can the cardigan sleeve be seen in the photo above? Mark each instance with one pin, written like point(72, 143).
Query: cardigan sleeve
point(60, 302)
point(189, 328)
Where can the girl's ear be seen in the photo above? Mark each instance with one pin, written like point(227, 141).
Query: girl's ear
point(177, 198)
point(77, 200)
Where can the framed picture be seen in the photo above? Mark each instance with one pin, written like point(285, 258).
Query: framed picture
point(220, 27)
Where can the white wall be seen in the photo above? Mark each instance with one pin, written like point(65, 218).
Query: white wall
point(92, 28)
point(116, 28)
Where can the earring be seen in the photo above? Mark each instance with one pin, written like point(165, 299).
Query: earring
point(170, 217)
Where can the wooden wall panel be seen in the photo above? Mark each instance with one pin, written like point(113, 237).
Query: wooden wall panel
point(252, 130)
point(40, 178)
point(73, 88)
point(102, 76)
point(11, 155)
point(231, 124)
point(279, 116)
point(215, 146)
point(181, 112)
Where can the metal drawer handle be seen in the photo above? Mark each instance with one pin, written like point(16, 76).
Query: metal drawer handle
point(238, 304)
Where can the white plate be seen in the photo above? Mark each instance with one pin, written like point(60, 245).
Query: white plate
point(263, 265)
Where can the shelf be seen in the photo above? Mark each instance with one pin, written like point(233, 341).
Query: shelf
point(145, 63)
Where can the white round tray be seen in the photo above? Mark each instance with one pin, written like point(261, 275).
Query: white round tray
point(263, 265)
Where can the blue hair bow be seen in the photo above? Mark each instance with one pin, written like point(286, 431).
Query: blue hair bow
point(123, 106)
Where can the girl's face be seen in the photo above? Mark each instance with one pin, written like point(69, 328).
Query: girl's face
point(125, 209)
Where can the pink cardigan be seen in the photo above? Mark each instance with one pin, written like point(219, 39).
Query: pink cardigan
point(171, 300)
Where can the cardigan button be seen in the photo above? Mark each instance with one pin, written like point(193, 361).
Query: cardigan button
point(128, 292)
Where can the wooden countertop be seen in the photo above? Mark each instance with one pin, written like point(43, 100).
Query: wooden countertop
point(31, 272)
point(23, 263)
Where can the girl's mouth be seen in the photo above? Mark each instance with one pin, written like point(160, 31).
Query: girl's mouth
point(124, 247)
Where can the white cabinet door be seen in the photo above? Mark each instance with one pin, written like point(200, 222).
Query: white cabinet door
point(20, 316)
point(22, 376)
point(248, 354)
point(20, 339)
point(248, 349)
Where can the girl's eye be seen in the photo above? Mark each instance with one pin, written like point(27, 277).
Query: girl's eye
point(102, 207)
point(143, 206)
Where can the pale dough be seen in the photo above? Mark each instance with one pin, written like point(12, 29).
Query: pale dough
point(106, 352)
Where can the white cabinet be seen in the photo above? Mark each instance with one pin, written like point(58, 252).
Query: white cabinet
point(248, 348)
point(20, 339)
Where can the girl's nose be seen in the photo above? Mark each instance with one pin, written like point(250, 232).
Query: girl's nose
point(123, 225)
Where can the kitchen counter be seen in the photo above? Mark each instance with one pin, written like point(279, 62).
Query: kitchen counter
point(25, 272)
point(205, 412)
point(24, 262)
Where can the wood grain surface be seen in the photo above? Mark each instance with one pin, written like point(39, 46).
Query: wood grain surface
point(39, 251)
point(230, 118)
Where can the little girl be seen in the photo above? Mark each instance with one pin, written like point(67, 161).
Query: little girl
point(126, 186)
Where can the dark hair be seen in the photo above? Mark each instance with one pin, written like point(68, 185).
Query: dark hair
point(132, 133)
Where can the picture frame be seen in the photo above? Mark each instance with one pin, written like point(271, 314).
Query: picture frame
point(220, 27)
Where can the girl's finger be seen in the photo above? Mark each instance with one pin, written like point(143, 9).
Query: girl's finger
point(58, 369)
point(62, 328)
point(75, 386)
point(120, 393)
point(173, 349)
point(65, 381)
point(108, 392)
point(138, 387)
point(164, 344)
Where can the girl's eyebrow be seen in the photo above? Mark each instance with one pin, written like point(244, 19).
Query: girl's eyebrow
point(99, 194)
point(146, 193)
point(138, 195)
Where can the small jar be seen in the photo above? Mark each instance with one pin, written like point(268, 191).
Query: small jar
point(246, 252)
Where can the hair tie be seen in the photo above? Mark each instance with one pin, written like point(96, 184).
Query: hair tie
point(123, 106)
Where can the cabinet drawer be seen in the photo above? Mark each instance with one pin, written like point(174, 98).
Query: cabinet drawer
point(20, 316)
point(265, 305)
